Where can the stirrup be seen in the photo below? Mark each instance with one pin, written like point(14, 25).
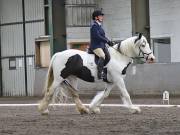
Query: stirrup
point(102, 75)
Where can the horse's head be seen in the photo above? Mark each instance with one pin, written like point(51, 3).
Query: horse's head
point(142, 48)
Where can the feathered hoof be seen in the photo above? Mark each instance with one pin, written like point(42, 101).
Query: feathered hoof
point(43, 108)
point(84, 111)
point(135, 110)
point(46, 112)
point(95, 110)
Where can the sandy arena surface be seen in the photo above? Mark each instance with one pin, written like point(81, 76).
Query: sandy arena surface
point(67, 121)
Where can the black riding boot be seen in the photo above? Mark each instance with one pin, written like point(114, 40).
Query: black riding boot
point(100, 67)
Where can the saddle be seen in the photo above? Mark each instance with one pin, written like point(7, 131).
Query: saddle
point(107, 56)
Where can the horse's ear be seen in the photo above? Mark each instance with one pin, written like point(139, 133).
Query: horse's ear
point(140, 35)
point(138, 38)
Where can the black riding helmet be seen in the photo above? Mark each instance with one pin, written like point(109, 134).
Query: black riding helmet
point(96, 13)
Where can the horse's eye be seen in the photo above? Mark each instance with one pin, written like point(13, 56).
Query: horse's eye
point(143, 45)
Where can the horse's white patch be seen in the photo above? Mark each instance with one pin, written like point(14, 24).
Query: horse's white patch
point(90, 61)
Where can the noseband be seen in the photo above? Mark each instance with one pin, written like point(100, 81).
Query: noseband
point(143, 53)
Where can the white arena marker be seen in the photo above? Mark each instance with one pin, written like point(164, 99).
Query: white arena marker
point(166, 97)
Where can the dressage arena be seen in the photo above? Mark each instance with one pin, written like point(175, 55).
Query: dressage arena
point(20, 117)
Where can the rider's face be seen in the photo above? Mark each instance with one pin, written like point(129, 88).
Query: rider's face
point(100, 18)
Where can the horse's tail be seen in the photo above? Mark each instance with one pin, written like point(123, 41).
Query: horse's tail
point(49, 76)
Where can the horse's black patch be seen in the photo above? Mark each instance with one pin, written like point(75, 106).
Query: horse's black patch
point(124, 70)
point(74, 66)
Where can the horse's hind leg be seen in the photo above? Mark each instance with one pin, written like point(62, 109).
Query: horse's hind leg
point(73, 90)
point(43, 106)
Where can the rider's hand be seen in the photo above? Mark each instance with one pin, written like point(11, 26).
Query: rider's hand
point(110, 43)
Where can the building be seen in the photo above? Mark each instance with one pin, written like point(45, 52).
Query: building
point(23, 21)
point(18, 33)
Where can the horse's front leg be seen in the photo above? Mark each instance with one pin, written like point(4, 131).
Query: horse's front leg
point(126, 97)
point(98, 99)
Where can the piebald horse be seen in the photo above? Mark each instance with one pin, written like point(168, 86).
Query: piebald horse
point(69, 65)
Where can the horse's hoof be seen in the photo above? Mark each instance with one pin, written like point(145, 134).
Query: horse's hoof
point(96, 110)
point(83, 111)
point(135, 110)
point(46, 112)
point(43, 107)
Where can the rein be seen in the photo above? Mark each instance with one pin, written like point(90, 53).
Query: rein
point(118, 48)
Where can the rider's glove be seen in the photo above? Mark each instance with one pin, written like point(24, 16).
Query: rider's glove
point(110, 43)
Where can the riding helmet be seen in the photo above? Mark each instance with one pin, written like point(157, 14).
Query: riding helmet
point(96, 13)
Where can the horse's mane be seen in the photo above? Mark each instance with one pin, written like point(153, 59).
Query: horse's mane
point(126, 47)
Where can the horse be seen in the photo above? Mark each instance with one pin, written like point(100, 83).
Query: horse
point(67, 66)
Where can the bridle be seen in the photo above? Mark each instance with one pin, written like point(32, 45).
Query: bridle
point(139, 55)
point(143, 53)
